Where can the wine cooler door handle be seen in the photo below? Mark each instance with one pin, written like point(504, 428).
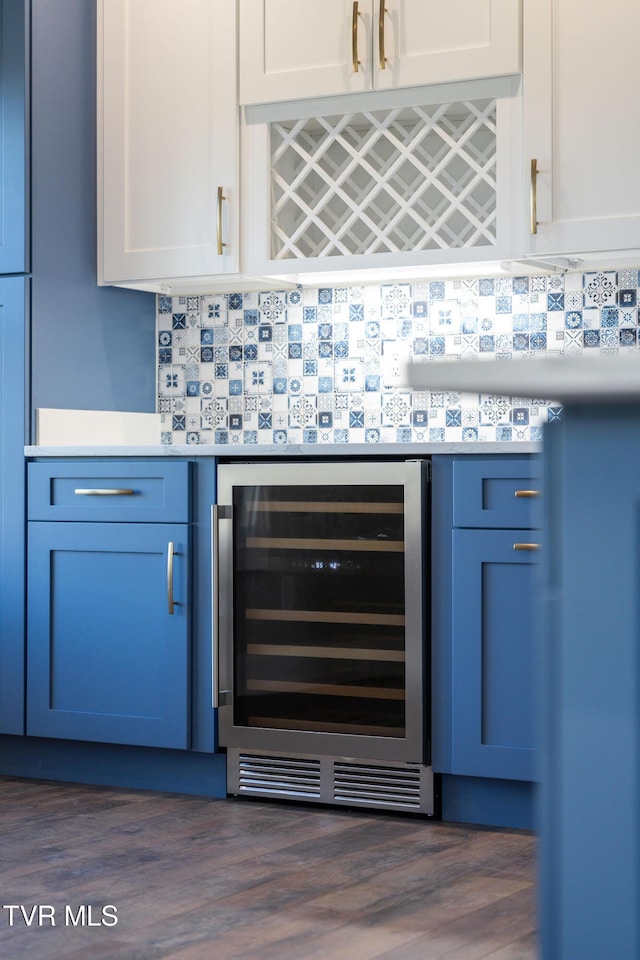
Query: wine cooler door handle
point(215, 638)
point(222, 599)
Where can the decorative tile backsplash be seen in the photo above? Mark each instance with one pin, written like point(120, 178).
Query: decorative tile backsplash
point(324, 365)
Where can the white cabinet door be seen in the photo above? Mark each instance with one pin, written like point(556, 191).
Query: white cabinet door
point(168, 139)
point(581, 124)
point(437, 41)
point(294, 49)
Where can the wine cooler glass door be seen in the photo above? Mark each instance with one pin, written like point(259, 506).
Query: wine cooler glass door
point(321, 625)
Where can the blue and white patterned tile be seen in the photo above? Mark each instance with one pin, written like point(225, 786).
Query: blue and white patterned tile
point(445, 317)
point(258, 377)
point(268, 356)
point(214, 414)
point(273, 307)
point(171, 381)
point(396, 300)
point(600, 288)
point(348, 375)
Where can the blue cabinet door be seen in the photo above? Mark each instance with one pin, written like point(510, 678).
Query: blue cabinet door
point(107, 661)
point(492, 706)
point(13, 136)
point(12, 518)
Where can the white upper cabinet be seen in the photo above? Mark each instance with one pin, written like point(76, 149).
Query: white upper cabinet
point(581, 85)
point(168, 131)
point(295, 49)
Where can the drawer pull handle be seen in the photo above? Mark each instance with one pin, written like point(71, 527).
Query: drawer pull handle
point(103, 492)
point(354, 37)
point(527, 493)
point(526, 546)
point(170, 555)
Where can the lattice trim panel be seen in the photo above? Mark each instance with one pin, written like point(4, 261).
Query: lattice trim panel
point(387, 181)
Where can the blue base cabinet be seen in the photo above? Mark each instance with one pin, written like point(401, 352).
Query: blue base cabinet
point(484, 561)
point(118, 556)
point(119, 690)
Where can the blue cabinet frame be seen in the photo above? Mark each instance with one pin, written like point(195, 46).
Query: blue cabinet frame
point(13, 294)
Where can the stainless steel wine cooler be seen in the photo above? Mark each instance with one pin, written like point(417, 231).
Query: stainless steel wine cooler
point(323, 647)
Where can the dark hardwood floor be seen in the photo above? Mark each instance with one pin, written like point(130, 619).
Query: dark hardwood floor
point(199, 879)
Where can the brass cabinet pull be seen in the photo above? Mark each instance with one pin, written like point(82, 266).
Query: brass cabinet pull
point(381, 13)
point(526, 546)
point(354, 37)
point(170, 556)
point(103, 492)
point(221, 245)
point(534, 196)
point(527, 493)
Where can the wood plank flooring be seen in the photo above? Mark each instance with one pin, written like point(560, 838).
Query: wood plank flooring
point(199, 879)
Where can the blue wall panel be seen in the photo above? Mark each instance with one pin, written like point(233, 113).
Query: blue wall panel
point(93, 347)
point(13, 136)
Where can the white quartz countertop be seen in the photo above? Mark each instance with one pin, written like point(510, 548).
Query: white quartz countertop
point(403, 451)
point(104, 433)
point(598, 378)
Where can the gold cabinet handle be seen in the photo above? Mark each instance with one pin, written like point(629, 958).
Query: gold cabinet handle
point(103, 492)
point(220, 244)
point(170, 556)
point(354, 36)
point(527, 493)
point(526, 546)
point(382, 59)
point(534, 196)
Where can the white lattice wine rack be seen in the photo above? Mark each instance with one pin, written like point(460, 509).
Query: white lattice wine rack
point(385, 181)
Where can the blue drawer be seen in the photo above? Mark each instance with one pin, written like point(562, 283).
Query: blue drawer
point(119, 490)
point(496, 493)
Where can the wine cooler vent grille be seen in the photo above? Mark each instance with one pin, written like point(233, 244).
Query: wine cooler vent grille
point(384, 786)
point(291, 777)
point(338, 781)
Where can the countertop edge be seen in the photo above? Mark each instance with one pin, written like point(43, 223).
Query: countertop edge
point(314, 450)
